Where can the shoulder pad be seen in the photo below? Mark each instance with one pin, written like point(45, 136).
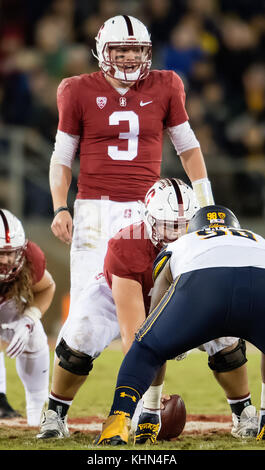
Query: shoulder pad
point(160, 262)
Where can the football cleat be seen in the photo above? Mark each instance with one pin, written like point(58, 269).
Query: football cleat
point(147, 429)
point(53, 426)
point(246, 425)
point(6, 410)
point(261, 432)
point(115, 431)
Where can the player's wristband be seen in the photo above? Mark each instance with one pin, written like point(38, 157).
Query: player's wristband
point(60, 209)
point(33, 312)
point(203, 192)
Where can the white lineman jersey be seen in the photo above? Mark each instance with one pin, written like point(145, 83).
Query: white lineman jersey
point(220, 247)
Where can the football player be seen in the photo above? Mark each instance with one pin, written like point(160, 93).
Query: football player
point(217, 253)
point(116, 118)
point(26, 292)
point(117, 305)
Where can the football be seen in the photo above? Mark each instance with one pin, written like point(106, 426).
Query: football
point(173, 418)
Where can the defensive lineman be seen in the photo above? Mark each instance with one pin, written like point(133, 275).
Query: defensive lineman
point(215, 275)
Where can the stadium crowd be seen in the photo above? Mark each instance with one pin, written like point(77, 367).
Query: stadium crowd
point(216, 46)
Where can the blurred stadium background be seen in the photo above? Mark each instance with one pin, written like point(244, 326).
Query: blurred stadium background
point(216, 46)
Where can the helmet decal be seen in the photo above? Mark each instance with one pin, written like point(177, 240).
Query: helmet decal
point(214, 216)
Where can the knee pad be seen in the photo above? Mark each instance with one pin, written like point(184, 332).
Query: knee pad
point(72, 361)
point(230, 360)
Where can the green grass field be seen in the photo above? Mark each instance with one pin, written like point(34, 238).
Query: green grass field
point(190, 378)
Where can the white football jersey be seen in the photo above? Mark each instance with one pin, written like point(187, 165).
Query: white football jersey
point(210, 248)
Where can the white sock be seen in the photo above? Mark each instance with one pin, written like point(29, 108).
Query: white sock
point(35, 403)
point(152, 398)
point(33, 371)
point(136, 415)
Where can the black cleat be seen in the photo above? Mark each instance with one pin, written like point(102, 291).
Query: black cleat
point(6, 410)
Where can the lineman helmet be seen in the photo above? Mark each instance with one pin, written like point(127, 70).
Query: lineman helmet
point(169, 205)
point(12, 240)
point(213, 217)
point(123, 31)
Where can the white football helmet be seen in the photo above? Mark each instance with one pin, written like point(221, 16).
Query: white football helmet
point(169, 205)
point(123, 31)
point(13, 241)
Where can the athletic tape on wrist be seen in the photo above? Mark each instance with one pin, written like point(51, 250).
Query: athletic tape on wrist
point(203, 192)
point(33, 312)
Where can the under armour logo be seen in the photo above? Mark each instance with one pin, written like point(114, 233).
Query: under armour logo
point(123, 395)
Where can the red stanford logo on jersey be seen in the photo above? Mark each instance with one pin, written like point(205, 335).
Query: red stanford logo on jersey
point(123, 101)
point(101, 101)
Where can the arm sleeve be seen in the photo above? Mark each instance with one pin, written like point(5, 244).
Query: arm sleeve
point(183, 137)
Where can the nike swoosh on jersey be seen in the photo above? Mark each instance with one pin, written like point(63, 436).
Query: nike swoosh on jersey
point(144, 104)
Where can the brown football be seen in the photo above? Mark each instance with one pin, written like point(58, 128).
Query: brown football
point(173, 418)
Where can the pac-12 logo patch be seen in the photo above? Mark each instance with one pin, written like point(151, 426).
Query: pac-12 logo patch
point(101, 101)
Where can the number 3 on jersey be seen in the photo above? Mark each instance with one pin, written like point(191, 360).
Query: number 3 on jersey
point(132, 136)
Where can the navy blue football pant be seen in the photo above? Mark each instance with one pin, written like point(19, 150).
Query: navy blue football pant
point(200, 306)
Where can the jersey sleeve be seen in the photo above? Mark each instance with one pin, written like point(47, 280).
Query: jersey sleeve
point(160, 262)
point(177, 112)
point(37, 260)
point(68, 106)
point(117, 262)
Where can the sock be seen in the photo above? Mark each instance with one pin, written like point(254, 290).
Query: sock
point(33, 371)
point(126, 400)
point(59, 404)
point(35, 401)
point(151, 399)
point(237, 405)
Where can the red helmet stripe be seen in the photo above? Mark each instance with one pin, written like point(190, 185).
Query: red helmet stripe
point(4, 219)
point(129, 25)
point(179, 196)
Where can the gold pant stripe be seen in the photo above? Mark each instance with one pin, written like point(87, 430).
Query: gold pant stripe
point(153, 316)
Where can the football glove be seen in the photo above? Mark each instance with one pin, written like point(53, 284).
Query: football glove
point(22, 330)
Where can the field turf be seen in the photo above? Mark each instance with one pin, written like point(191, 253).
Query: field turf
point(190, 378)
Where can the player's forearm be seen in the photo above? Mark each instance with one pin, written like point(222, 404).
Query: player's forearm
point(60, 181)
point(43, 292)
point(130, 309)
point(43, 300)
point(193, 164)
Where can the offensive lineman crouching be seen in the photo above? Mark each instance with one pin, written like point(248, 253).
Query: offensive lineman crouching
point(216, 252)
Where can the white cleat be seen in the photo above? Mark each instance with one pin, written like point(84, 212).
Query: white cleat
point(52, 426)
point(247, 425)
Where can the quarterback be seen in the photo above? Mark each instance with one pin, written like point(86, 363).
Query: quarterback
point(26, 292)
point(115, 118)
